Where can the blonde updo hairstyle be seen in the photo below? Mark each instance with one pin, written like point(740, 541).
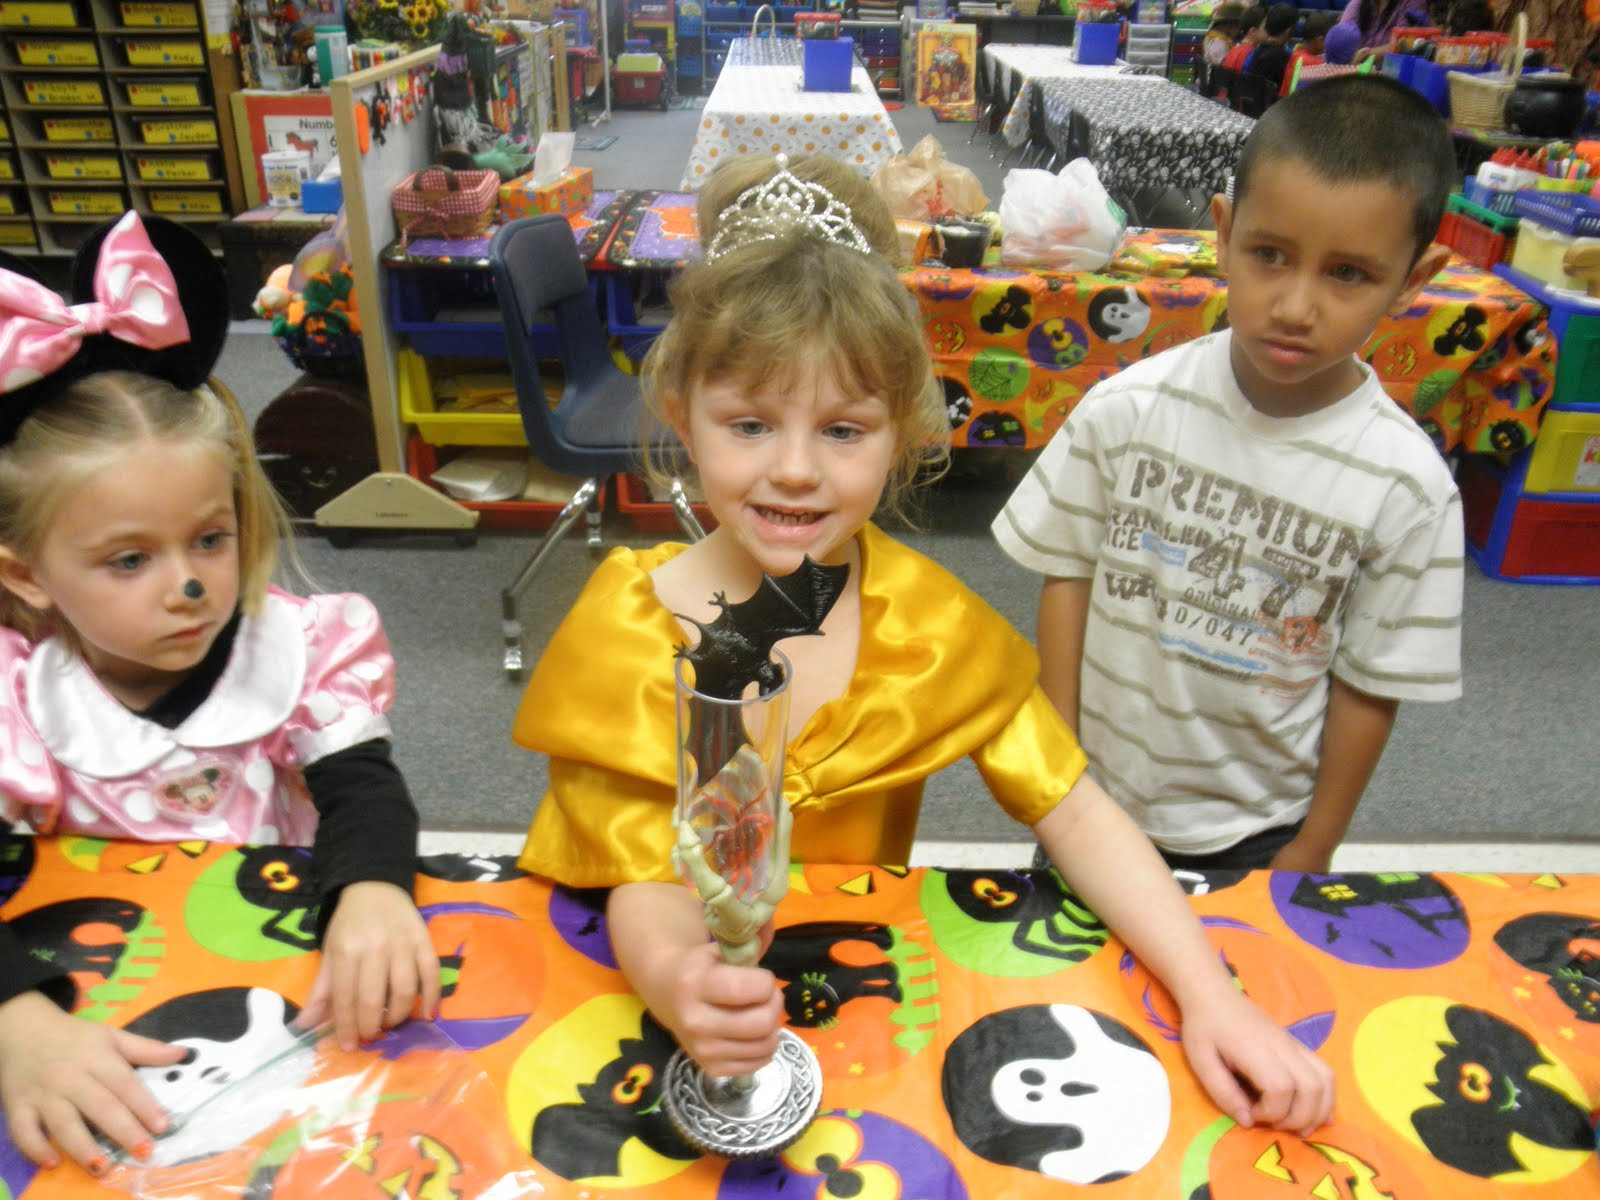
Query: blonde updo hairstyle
point(764, 311)
point(100, 419)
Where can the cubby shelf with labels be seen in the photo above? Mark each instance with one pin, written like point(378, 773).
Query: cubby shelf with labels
point(110, 105)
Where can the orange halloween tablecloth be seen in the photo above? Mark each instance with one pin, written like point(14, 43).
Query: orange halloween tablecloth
point(979, 1033)
point(1471, 359)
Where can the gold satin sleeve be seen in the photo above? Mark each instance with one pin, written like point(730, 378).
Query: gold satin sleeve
point(1033, 762)
point(600, 705)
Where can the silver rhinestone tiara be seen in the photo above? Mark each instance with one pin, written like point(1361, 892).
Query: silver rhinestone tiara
point(780, 206)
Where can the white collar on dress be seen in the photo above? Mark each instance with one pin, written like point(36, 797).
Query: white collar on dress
point(89, 731)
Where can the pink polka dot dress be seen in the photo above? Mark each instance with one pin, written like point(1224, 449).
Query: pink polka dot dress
point(306, 679)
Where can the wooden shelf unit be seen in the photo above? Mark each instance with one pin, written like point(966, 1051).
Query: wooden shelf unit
point(110, 105)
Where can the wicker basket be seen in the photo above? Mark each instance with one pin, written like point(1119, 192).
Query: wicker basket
point(439, 202)
point(1479, 101)
point(1026, 8)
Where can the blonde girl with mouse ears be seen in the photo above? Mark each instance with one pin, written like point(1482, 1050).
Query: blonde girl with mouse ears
point(154, 687)
point(795, 375)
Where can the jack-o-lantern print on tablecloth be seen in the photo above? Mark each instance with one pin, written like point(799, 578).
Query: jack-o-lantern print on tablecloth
point(1338, 1162)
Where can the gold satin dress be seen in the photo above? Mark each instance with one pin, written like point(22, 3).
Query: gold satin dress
point(939, 676)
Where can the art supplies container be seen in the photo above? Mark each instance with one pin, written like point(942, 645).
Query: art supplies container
point(284, 171)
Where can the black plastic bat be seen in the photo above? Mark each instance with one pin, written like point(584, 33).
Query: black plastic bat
point(735, 650)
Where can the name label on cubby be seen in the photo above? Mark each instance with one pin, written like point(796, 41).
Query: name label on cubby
point(177, 132)
point(185, 202)
point(164, 54)
point(82, 166)
point(78, 129)
point(56, 52)
point(152, 12)
point(63, 91)
point(154, 95)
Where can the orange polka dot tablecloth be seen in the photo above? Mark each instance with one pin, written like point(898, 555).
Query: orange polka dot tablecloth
point(762, 110)
point(980, 1035)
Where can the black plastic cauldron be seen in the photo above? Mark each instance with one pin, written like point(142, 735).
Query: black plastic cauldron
point(1545, 106)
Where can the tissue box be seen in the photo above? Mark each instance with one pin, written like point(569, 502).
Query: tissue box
point(321, 195)
point(568, 195)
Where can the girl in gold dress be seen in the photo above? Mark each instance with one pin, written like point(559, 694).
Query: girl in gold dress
point(795, 375)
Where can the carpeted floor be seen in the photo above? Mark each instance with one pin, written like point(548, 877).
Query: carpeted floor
point(1507, 763)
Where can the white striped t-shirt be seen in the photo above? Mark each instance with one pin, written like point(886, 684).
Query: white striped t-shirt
point(1237, 559)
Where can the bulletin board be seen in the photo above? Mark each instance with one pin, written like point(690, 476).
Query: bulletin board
point(267, 120)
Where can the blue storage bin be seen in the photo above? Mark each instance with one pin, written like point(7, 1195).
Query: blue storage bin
point(1096, 42)
point(1433, 82)
point(827, 63)
point(577, 22)
point(688, 66)
point(1401, 66)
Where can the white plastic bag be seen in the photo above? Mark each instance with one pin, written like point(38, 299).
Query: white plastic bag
point(1060, 222)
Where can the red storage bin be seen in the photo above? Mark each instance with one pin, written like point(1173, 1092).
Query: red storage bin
point(422, 460)
point(641, 87)
point(1472, 240)
point(654, 516)
point(1550, 538)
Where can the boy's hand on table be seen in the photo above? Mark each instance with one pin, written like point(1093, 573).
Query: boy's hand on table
point(377, 962)
point(61, 1077)
point(1253, 1069)
point(726, 1018)
point(1303, 856)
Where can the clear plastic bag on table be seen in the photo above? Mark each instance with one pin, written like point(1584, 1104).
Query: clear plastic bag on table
point(1059, 222)
point(280, 1112)
point(924, 185)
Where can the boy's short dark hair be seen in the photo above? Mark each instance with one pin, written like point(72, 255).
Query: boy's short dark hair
point(1358, 128)
point(1319, 22)
point(1253, 16)
point(1280, 19)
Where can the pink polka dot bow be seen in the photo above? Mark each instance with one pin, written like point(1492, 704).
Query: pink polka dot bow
point(136, 301)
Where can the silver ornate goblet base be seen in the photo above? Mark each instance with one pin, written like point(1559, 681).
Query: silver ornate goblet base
point(748, 1116)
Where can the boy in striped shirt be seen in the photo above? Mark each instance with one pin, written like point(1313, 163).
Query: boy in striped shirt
point(1252, 554)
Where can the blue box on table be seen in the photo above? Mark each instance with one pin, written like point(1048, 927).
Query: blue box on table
point(321, 195)
point(827, 63)
point(1094, 43)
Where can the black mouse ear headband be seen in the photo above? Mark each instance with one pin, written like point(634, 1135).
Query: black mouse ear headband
point(149, 297)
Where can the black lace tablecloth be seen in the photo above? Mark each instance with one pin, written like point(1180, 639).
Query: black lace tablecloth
point(764, 52)
point(1154, 135)
point(772, 52)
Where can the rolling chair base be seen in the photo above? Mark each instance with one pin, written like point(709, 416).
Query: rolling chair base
point(585, 501)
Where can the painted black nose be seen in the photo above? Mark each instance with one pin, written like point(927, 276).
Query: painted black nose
point(194, 589)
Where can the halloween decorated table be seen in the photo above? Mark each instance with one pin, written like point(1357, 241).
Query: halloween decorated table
point(979, 1036)
point(763, 109)
point(1161, 136)
point(1012, 69)
point(1470, 360)
point(1016, 349)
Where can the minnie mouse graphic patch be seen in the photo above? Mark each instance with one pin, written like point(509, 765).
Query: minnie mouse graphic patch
point(196, 791)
